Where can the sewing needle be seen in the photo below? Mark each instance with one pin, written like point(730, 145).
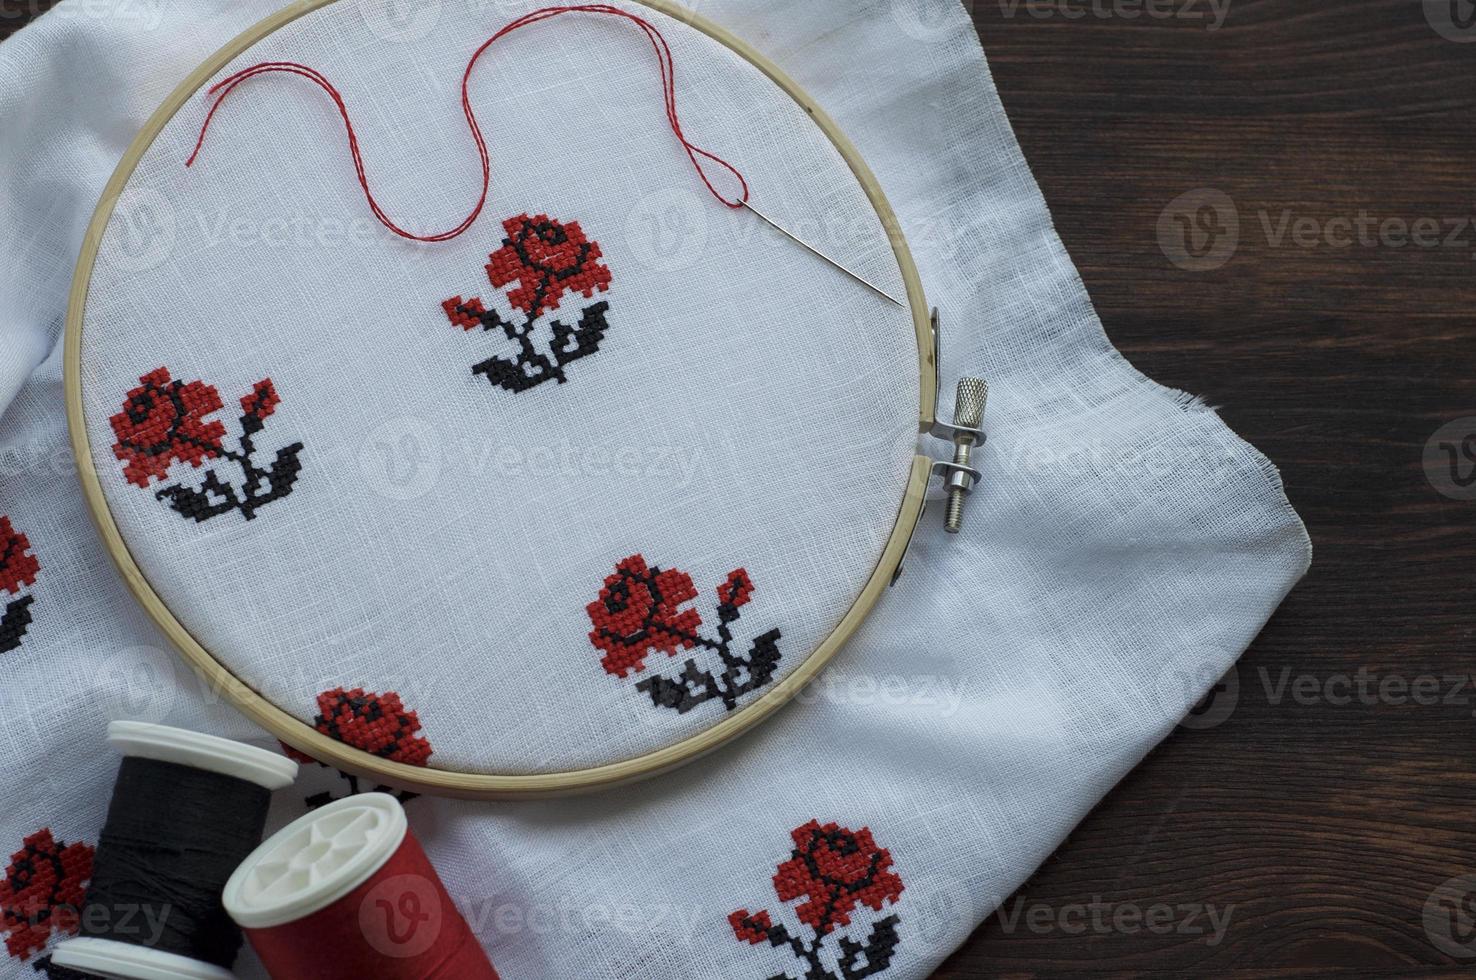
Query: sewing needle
point(862, 280)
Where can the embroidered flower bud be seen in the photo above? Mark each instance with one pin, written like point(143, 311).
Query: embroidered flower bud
point(17, 568)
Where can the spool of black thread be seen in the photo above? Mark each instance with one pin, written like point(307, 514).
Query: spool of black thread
point(187, 809)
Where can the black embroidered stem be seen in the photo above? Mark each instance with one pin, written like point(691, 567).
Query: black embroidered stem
point(877, 952)
point(694, 686)
point(215, 497)
point(318, 800)
point(857, 960)
point(532, 368)
point(16, 621)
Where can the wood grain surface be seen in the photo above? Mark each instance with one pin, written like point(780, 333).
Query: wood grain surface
point(1273, 205)
point(1325, 826)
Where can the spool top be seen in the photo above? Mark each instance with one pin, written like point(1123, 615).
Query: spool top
point(316, 860)
point(107, 958)
point(199, 751)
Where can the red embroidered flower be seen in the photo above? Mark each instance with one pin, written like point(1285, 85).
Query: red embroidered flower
point(42, 892)
point(262, 401)
point(737, 590)
point(637, 613)
point(17, 568)
point(466, 314)
point(835, 869)
point(375, 723)
point(751, 928)
point(164, 420)
point(301, 758)
point(547, 259)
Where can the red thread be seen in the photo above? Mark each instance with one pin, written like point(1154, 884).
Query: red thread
point(401, 924)
point(668, 84)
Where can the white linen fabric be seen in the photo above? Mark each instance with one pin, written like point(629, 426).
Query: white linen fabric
point(748, 406)
point(1123, 551)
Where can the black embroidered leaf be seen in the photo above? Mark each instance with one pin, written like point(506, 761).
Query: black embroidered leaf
point(684, 692)
point(763, 659)
point(215, 497)
point(322, 799)
point(586, 339)
point(510, 374)
point(532, 368)
point(858, 962)
point(280, 480)
point(212, 499)
point(16, 621)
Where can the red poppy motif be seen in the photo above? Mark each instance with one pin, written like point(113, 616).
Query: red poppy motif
point(375, 723)
point(836, 870)
point(639, 613)
point(547, 260)
point(636, 614)
point(18, 569)
point(164, 421)
point(43, 890)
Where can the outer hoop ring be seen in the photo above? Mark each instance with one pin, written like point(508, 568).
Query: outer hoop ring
point(442, 782)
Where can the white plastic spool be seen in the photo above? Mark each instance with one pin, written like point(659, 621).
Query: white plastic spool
point(122, 961)
point(315, 861)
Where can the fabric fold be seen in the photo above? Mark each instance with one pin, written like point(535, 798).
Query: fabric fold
point(1124, 549)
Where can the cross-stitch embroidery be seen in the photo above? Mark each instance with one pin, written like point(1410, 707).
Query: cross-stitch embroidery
point(165, 421)
point(375, 723)
point(639, 613)
point(42, 892)
point(834, 870)
point(18, 570)
point(547, 259)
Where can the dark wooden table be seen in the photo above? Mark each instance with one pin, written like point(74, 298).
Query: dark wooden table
point(1329, 805)
point(1339, 351)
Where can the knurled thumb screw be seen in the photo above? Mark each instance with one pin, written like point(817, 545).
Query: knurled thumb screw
point(968, 413)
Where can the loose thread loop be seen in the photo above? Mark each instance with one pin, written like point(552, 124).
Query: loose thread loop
point(664, 57)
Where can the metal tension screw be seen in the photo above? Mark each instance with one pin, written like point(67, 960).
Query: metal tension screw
point(968, 413)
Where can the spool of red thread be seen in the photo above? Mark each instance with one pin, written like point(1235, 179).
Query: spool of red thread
point(345, 893)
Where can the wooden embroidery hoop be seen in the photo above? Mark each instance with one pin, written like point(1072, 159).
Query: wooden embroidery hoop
point(302, 736)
